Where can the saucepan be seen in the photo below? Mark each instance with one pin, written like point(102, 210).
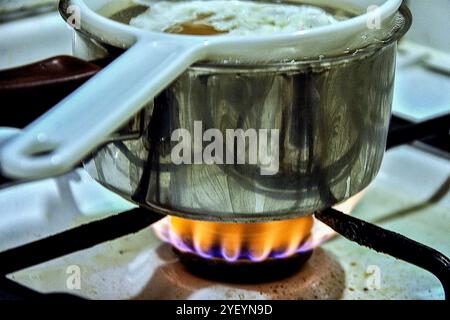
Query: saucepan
point(319, 100)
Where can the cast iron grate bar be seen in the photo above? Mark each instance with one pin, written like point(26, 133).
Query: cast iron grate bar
point(76, 239)
point(388, 242)
point(435, 132)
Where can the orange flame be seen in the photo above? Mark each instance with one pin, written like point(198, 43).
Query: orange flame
point(233, 241)
point(252, 241)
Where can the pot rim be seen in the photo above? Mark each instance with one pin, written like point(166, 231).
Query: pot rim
point(292, 64)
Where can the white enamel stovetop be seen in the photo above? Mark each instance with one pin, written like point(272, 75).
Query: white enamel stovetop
point(398, 199)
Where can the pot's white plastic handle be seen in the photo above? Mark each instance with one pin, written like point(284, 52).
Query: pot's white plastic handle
point(61, 138)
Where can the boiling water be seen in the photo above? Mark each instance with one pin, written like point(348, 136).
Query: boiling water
point(215, 17)
point(230, 17)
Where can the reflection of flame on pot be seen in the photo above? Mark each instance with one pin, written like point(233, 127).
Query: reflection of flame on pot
point(247, 241)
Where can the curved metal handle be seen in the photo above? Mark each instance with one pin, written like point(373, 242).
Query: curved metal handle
point(61, 138)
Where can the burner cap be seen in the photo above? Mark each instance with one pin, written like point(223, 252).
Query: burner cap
point(243, 271)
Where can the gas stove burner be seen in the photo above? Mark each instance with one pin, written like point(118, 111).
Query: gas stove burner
point(236, 242)
point(243, 271)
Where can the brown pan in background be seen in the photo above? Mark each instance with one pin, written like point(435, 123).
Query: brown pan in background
point(32, 89)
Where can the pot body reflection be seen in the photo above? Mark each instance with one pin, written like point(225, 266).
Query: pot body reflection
point(332, 117)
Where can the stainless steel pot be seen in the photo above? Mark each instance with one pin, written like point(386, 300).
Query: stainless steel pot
point(332, 115)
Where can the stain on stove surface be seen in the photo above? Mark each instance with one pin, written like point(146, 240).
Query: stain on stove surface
point(174, 281)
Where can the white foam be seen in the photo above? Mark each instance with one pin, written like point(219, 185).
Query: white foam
point(236, 17)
